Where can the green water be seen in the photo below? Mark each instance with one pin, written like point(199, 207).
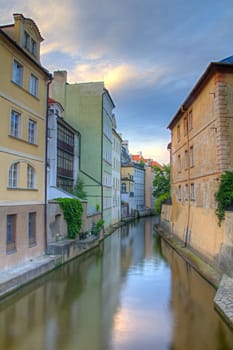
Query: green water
point(131, 293)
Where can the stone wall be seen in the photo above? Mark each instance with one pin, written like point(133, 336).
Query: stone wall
point(57, 225)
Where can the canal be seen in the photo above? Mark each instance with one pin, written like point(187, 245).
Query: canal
point(132, 293)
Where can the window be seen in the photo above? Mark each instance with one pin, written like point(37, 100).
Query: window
point(179, 193)
point(192, 192)
point(26, 40)
point(17, 73)
point(186, 192)
point(190, 120)
point(15, 124)
point(32, 228)
point(33, 85)
point(123, 187)
point(179, 164)
point(30, 177)
point(178, 133)
point(11, 233)
point(191, 157)
point(29, 43)
point(185, 125)
point(13, 175)
point(31, 131)
point(33, 47)
point(186, 159)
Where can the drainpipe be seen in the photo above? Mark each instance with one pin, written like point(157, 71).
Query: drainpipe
point(102, 140)
point(45, 169)
point(189, 192)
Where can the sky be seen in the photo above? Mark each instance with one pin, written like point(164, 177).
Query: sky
point(149, 53)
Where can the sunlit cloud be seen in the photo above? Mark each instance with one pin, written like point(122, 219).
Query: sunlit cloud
point(148, 57)
point(120, 76)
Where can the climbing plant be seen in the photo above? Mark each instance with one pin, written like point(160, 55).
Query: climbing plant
point(224, 195)
point(72, 210)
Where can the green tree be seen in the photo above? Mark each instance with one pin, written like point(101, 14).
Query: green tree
point(161, 186)
point(78, 189)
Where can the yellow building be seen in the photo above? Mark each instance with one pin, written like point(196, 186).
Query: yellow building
point(201, 150)
point(23, 105)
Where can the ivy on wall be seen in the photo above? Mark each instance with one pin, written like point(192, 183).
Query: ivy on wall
point(224, 195)
point(72, 211)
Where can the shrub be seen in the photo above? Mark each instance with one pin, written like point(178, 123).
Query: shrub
point(72, 210)
point(224, 195)
point(160, 200)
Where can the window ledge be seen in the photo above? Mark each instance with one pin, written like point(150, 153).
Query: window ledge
point(11, 251)
point(24, 90)
point(22, 140)
point(21, 189)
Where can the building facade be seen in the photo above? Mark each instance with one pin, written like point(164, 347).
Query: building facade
point(23, 104)
point(201, 150)
point(89, 109)
point(133, 186)
point(116, 177)
point(63, 152)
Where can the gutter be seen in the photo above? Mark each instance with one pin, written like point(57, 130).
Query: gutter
point(45, 169)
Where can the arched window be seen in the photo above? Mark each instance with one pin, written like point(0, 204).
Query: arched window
point(13, 175)
point(123, 188)
point(30, 177)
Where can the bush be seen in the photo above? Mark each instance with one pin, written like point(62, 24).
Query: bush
point(72, 210)
point(224, 195)
point(160, 200)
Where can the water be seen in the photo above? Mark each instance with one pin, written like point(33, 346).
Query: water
point(131, 293)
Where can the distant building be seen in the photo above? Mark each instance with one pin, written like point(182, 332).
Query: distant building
point(88, 108)
point(23, 105)
point(149, 178)
point(133, 186)
point(201, 150)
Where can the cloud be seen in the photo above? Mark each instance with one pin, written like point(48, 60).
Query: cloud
point(149, 53)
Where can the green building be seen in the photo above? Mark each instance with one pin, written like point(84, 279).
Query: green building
point(88, 108)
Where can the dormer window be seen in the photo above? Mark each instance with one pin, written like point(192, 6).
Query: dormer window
point(29, 43)
point(33, 47)
point(26, 40)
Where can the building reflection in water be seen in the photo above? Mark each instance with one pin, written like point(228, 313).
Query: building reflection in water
point(125, 295)
point(196, 324)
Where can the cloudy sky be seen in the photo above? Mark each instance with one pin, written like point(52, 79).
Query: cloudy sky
point(149, 53)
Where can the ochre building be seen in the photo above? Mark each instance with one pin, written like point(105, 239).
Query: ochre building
point(23, 106)
point(201, 149)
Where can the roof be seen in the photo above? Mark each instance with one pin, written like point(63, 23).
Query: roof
point(227, 60)
point(3, 33)
point(224, 65)
point(52, 101)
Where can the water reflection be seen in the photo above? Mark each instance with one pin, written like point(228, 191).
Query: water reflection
point(128, 294)
point(196, 324)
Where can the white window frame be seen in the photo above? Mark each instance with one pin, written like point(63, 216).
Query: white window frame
point(17, 75)
point(13, 175)
point(15, 124)
point(30, 177)
point(32, 126)
point(34, 83)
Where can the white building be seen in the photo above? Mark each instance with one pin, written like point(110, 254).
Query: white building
point(62, 153)
point(116, 176)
